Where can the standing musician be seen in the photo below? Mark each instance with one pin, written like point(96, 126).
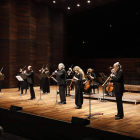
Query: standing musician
point(41, 79)
point(118, 80)
point(79, 75)
point(70, 75)
point(46, 84)
point(61, 78)
point(24, 85)
point(30, 80)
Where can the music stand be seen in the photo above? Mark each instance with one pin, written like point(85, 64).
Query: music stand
point(20, 79)
point(56, 93)
point(89, 116)
point(1, 79)
point(42, 75)
point(102, 80)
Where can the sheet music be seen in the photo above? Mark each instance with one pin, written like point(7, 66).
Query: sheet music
point(19, 78)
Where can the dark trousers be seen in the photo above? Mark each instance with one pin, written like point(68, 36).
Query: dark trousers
point(22, 91)
point(119, 105)
point(19, 85)
point(62, 93)
point(32, 93)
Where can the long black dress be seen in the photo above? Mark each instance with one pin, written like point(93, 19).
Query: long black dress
point(78, 90)
point(46, 84)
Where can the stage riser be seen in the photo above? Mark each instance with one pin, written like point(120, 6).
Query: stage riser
point(40, 128)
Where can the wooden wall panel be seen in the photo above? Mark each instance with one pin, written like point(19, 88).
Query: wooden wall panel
point(33, 43)
point(4, 40)
point(58, 37)
point(12, 43)
point(30, 34)
point(44, 35)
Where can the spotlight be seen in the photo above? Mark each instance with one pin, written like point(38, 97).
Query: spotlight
point(78, 5)
point(54, 1)
point(68, 7)
point(110, 25)
point(88, 1)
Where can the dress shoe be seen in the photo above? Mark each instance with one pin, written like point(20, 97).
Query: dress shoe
point(78, 107)
point(117, 118)
point(61, 102)
point(30, 99)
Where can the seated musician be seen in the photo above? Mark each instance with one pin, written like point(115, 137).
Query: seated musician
point(92, 80)
point(70, 75)
point(109, 90)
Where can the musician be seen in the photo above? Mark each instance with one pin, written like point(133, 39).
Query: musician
point(109, 85)
point(24, 85)
point(30, 80)
point(78, 86)
point(46, 84)
point(118, 80)
point(92, 79)
point(70, 75)
point(19, 82)
point(61, 78)
point(41, 79)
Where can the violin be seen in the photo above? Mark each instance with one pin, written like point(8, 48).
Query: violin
point(52, 73)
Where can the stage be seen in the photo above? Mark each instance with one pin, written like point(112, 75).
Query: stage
point(129, 126)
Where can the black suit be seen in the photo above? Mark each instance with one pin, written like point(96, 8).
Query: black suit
point(61, 78)
point(118, 80)
point(30, 80)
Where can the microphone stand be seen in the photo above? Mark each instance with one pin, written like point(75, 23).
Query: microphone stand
point(56, 94)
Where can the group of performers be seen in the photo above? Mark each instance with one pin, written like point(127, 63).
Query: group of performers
point(80, 80)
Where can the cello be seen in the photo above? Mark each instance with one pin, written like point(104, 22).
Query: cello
point(110, 85)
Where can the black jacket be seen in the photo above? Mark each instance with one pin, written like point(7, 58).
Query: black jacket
point(118, 80)
point(30, 77)
point(61, 77)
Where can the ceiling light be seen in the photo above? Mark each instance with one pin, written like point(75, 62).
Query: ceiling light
point(78, 5)
point(88, 1)
point(54, 1)
point(68, 7)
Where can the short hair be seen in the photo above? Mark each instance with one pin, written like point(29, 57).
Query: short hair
point(29, 67)
point(89, 69)
point(61, 65)
point(117, 64)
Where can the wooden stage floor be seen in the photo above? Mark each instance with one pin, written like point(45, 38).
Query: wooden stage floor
point(129, 126)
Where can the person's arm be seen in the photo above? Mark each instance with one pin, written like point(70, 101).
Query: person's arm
point(118, 77)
